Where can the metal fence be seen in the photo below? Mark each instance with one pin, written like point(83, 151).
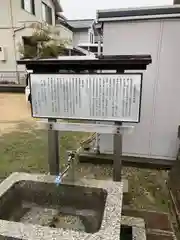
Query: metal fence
point(12, 77)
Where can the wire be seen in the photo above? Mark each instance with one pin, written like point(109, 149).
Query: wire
point(88, 140)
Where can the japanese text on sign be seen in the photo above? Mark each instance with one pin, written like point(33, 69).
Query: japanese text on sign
point(99, 97)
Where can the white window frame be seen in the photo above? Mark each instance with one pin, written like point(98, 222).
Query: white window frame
point(43, 12)
point(29, 6)
point(44, 16)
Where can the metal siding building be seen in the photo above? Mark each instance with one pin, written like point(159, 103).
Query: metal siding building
point(154, 32)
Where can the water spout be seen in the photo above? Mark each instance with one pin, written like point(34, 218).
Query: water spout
point(59, 178)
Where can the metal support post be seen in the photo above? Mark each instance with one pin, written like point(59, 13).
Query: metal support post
point(117, 150)
point(99, 44)
point(97, 147)
point(117, 153)
point(53, 150)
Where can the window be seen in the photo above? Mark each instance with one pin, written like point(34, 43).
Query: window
point(46, 13)
point(28, 5)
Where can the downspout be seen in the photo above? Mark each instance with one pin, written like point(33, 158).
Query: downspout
point(13, 36)
point(97, 143)
point(97, 29)
point(99, 44)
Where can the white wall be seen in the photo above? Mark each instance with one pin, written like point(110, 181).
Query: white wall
point(80, 37)
point(13, 16)
point(11, 12)
point(156, 135)
point(167, 93)
point(5, 13)
point(6, 41)
point(20, 15)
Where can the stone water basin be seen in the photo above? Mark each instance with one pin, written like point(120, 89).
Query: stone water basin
point(33, 207)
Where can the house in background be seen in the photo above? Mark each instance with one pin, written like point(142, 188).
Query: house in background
point(82, 31)
point(15, 19)
point(65, 29)
point(151, 31)
point(84, 35)
point(67, 33)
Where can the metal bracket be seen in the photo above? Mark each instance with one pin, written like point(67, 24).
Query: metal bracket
point(85, 127)
point(117, 149)
point(53, 148)
point(118, 130)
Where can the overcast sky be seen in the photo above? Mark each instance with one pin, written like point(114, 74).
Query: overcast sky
point(75, 9)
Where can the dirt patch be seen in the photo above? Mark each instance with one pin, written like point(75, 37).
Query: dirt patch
point(14, 110)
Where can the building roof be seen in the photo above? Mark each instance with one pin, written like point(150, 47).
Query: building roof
point(138, 13)
point(81, 23)
point(74, 52)
point(58, 7)
point(119, 62)
point(62, 21)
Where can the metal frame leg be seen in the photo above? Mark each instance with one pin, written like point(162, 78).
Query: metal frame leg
point(53, 150)
point(117, 155)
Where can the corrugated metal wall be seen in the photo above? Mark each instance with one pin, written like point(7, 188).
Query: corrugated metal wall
point(156, 135)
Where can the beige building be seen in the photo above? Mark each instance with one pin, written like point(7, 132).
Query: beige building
point(15, 18)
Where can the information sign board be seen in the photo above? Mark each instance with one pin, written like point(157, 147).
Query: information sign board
point(97, 97)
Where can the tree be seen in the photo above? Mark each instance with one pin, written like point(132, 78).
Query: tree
point(45, 42)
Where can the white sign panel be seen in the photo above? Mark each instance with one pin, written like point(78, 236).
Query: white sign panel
point(98, 97)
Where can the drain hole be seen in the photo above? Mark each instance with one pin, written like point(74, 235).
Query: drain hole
point(52, 225)
point(126, 232)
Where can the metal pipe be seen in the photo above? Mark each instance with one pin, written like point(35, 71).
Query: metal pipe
point(98, 32)
point(63, 174)
point(70, 161)
point(99, 44)
point(97, 144)
point(53, 149)
point(19, 29)
point(13, 36)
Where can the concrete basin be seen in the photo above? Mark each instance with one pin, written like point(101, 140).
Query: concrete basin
point(65, 206)
point(33, 207)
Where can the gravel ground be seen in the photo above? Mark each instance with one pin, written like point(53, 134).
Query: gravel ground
point(147, 188)
point(49, 217)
